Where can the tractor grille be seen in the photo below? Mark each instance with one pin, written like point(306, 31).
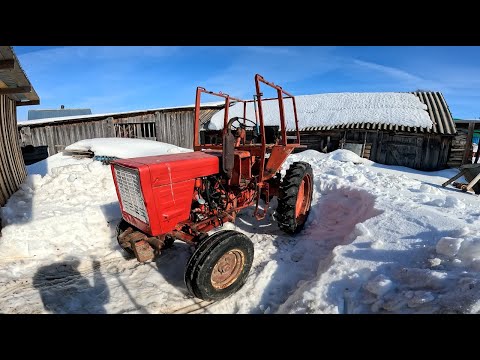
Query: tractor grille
point(130, 192)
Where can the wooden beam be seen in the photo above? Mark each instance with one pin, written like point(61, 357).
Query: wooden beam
point(29, 102)
point(468, 145)
point(16, 90)
point(8, 64)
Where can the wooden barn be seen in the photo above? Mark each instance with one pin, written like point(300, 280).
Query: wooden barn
point(170, 125)
point(381, 127)
point(15, 90)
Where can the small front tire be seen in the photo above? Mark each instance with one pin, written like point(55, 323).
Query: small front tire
point(220, 265)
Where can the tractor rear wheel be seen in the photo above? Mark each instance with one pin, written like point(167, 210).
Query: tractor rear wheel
point(295, 197)
point(219, 266)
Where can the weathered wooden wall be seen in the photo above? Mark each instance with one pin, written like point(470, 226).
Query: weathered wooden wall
point(173, 127)
point(417, 151)
point(12, 167)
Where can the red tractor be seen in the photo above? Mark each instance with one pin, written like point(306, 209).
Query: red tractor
point(184, 196)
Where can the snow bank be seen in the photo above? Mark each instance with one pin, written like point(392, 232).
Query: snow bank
point(346, 156)
point(340, 108)
point(125, 147)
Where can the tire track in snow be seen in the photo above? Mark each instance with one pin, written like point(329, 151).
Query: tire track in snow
point(284, 263)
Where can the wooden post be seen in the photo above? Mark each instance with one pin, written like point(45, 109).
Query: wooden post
point(50, 141)
point(110, 127)
point(449, 181)
point(472, 183)
point(468, 145)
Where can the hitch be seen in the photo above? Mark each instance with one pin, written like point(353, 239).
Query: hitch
point(144, 247)
point(266, 188)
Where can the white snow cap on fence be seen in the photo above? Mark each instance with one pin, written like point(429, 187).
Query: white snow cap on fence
point(125, 147)
point(340, 108)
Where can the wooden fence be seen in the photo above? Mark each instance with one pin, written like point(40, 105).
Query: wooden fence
point(12, 167)
point(173, 127)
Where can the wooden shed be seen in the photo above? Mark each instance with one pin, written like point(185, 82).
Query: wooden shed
point(15, 90)
point(415, 147)
point(170, 125)
point(382, 127)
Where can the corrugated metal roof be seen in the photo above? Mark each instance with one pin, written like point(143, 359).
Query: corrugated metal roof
point(437, 109)
point(206, 115)
point(53, 113)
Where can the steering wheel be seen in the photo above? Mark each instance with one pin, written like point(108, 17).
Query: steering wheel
point(237, 119)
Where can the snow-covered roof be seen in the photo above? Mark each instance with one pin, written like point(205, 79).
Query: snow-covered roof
point(334, 109)
point(102, 116)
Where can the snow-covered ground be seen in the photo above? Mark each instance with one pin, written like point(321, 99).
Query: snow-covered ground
point(339, 108)
point(379, 239)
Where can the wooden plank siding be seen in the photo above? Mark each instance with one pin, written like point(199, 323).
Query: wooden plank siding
point(425, 151)
point(12, 167)
point(173, 127)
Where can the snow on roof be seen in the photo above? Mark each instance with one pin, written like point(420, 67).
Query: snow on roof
point(93, 116)
point(338, 109)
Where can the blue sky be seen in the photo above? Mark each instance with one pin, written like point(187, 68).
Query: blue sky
point(110, 79)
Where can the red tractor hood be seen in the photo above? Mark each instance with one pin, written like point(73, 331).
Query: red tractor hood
point(171, 169)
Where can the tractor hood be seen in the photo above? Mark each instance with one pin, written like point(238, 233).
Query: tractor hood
point(174, 168)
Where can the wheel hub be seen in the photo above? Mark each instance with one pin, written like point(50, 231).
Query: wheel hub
point(303, 198)
point(227, 269)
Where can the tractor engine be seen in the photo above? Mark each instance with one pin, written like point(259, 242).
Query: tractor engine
point(209, 197)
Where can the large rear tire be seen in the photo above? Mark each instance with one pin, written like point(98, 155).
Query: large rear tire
point(295, 197)
point(219, 266)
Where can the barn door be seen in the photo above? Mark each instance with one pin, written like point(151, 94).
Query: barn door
point(404, 151)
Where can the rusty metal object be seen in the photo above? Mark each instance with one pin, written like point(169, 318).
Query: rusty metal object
point(143, 251)
point(277, 158)
point(227, 269)
point(145, 248)
point(228, 154)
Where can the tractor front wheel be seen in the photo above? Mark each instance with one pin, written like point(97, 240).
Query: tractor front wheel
point(295, 197)
point(220, 265)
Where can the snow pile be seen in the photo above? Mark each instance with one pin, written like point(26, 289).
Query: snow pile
point(338, 109)
point(66, 211)
point(460, 251)
point(346, 156)
point(125, 147)
point(379, 239)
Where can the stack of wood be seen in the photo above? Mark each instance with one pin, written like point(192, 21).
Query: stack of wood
point(457, 150)
point(366, 151)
